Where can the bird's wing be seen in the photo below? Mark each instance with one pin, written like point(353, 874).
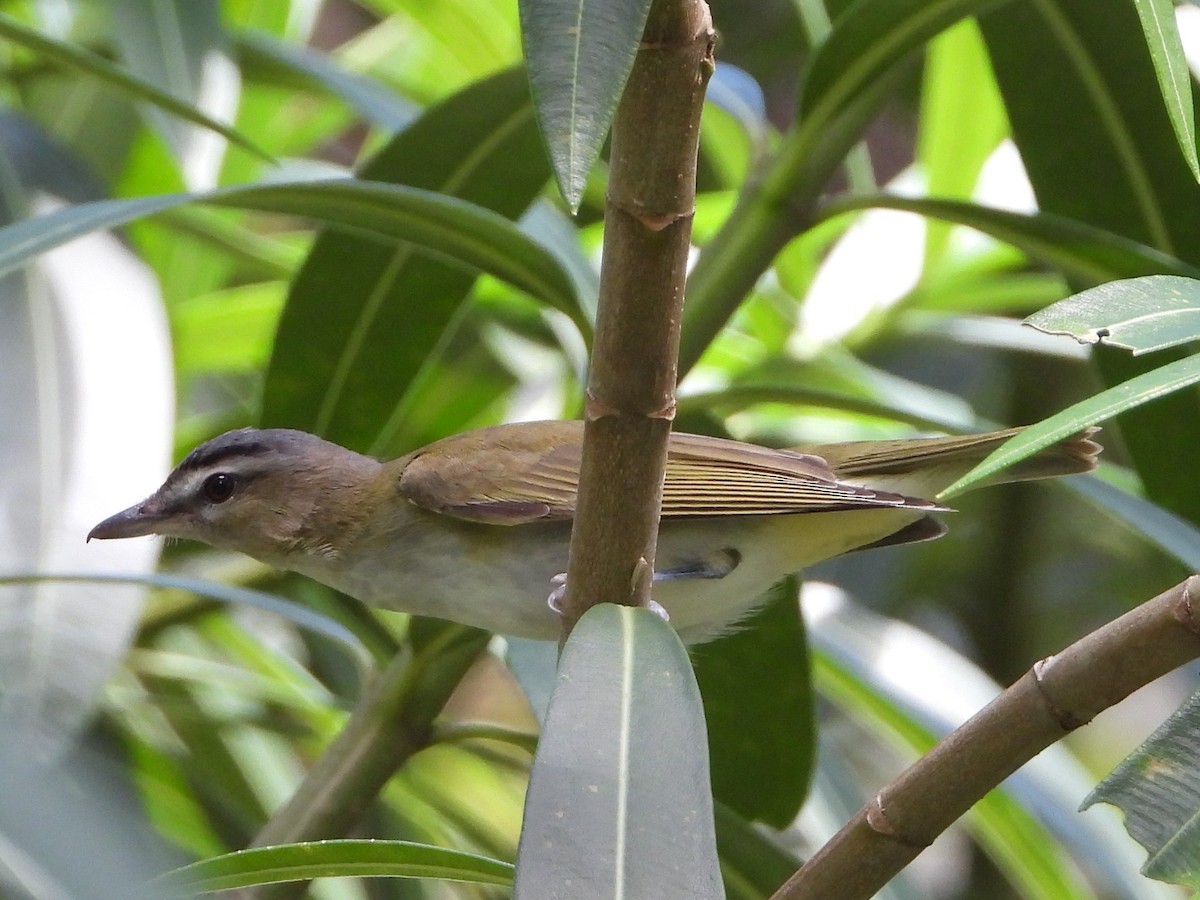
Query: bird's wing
point(513, 474)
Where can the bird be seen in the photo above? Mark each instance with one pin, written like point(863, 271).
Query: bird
point(474, 528)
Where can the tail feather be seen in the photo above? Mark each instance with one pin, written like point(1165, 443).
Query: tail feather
point(941, 461)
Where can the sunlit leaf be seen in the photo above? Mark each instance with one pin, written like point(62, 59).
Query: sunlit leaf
point(1138, 314)
point(370, 98)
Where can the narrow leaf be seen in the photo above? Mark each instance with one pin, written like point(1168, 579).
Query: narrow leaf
point(1078, 248)
point(1099, 408)
point(383, 213)
point(579, 56)
point(619, 801)
point(71, 56)
point(867, 40)
point(1174, 79)
point(1138, 314)
point(335, 859)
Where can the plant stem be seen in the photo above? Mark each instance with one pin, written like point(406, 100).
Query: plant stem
point(1056, 696)
point(631, 388)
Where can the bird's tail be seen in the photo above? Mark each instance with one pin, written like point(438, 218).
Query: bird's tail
point(929, 465)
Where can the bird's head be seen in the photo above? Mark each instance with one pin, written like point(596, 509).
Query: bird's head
point(273, 494)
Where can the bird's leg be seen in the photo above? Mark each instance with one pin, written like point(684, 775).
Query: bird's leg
point(715, 565)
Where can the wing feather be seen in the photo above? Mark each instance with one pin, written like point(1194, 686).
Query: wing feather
point(511, 474)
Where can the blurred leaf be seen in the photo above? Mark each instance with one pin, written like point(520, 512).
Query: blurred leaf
point(1138, 314)
point(286, 609)
point(227, 331)
point(1079, 249)
point(1170, 65)
point(1157, 787)
point(334, 859)
point(181, 46)
point(961, 123)
point(370, 98)
point(353, 338)
point(1092, 411)
point(619, 797)
point(86, 356)
point(868, 39)
point(1173, 534)
point(753, 865)
point(69, 55)
point(579, 56)
point(762, 742)
point(738, 93)
point(443, 225)
point(82, 801)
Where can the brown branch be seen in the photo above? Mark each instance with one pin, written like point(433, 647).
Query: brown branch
point(1056, 696)
point(631, 388)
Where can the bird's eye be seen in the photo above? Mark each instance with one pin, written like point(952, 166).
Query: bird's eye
point(219, 487)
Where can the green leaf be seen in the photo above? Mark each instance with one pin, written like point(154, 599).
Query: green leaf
point(1099, 408)
point(579, 56)
point(371, 99)
point(869, 39)
point(1077, 248)
point(754, 866)
point(181, 46)
point(380, 213)
point(295, 613)
point(619, 801)
point(1171, 67)
point(1157, 787)
point(443, 225)
point(335, 859)
point(1084, 103)
point(1138, 314)
point(1173, 534)
point(354, 339)
point(68, 55)
point(961, 122)
point(762, 742)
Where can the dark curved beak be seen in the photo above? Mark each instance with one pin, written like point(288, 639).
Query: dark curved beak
point(140, 519)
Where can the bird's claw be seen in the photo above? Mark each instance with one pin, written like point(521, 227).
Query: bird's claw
point(554, 601)
point(559, 591)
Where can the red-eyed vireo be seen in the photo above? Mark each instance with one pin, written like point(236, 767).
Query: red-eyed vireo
point(474, 528)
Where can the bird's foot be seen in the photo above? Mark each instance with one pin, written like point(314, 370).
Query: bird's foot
point(559, 591)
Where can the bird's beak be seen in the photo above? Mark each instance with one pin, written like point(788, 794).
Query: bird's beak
point(140, 519)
